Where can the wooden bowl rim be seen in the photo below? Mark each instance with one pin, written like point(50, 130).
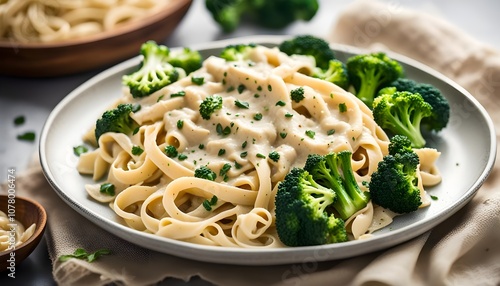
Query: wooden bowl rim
point(39, 228)
point(170, 9)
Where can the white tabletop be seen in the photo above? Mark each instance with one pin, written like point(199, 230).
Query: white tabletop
point(35, 98)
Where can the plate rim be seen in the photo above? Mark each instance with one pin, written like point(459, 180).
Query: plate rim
point(219, 254)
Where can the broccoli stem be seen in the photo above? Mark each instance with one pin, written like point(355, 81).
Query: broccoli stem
point(322, 197)
point(359, 198)
point(410, 128)
point(343, 203)
point(368, 86)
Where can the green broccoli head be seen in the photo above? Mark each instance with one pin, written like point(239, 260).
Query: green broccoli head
point(394, 185)
point(206, 173)
point(297, 94)
point(116, 120)
point(336, 73)
point(187, 59)
point(277, 14)
point(334, 171)
point(301, 212)
point(401, 113)
point(154, 72)
point(310, 46)
point(432, 95)
point(210, 105)
point(237, 52)
point(228, 13)
point(400, 144)
point(370, 72)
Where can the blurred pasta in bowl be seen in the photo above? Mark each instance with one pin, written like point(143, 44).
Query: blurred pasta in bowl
point(43, 38)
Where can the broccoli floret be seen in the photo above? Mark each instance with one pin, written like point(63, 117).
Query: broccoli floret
point(210, 105)
point(401, 112)
point(432, 95)
point(302, 216)
point(310, 46)
point(334, 171)
point(171, 151)
point(154, 72)
point(276, 14)
point(228, 13)
point(370, 72)
point(336, 73)
point(116, 120)
point(238, 52)
point(206, 173)
point(400, 144)
point(394, 185)
point(297, 94)
point(187, 59)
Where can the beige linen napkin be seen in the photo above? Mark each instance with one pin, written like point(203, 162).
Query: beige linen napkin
point(464, 250)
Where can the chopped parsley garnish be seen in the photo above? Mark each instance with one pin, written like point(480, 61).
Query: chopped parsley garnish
point(342, 107)
point(283, 135)
point(28, 136)
point(108, 189)
point(262, 156)
point(269, 87)
point(310, 134)
point(221, 152)
point(244, 144)
point(257, 116)
point(81, 253)
point(79, 150)
point(171, 151)
point(178, 94)
point(241, 88)
point(136, 150)
point(273, 155)
point(280, 103)
point(330, 132)
point(136, 107)
point(223, 171)
point(288, 115)
point(198, 80)
point(243, 154)
point(242, 104)
point(207, 204)
point(19, 120)
point(180, 124)
point(222, 130)
point(182, 157)
point(237, 165)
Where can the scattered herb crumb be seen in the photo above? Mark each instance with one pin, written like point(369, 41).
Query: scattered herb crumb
point(207, 204)
point(79, 150)
point(108, 189)
point(19, 120)
point(28, 136)
point(82, 254)
point(137, 150)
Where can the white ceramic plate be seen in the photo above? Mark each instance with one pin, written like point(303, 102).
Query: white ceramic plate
point(468, 147)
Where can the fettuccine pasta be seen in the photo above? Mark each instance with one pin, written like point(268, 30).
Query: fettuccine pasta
point(159, 194)
point(13, 233)
point(57, 20)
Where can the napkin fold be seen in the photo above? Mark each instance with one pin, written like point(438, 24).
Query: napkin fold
point(463, 250)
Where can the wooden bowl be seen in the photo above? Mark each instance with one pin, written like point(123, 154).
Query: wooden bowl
point(26, 212)
point(90, 52)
